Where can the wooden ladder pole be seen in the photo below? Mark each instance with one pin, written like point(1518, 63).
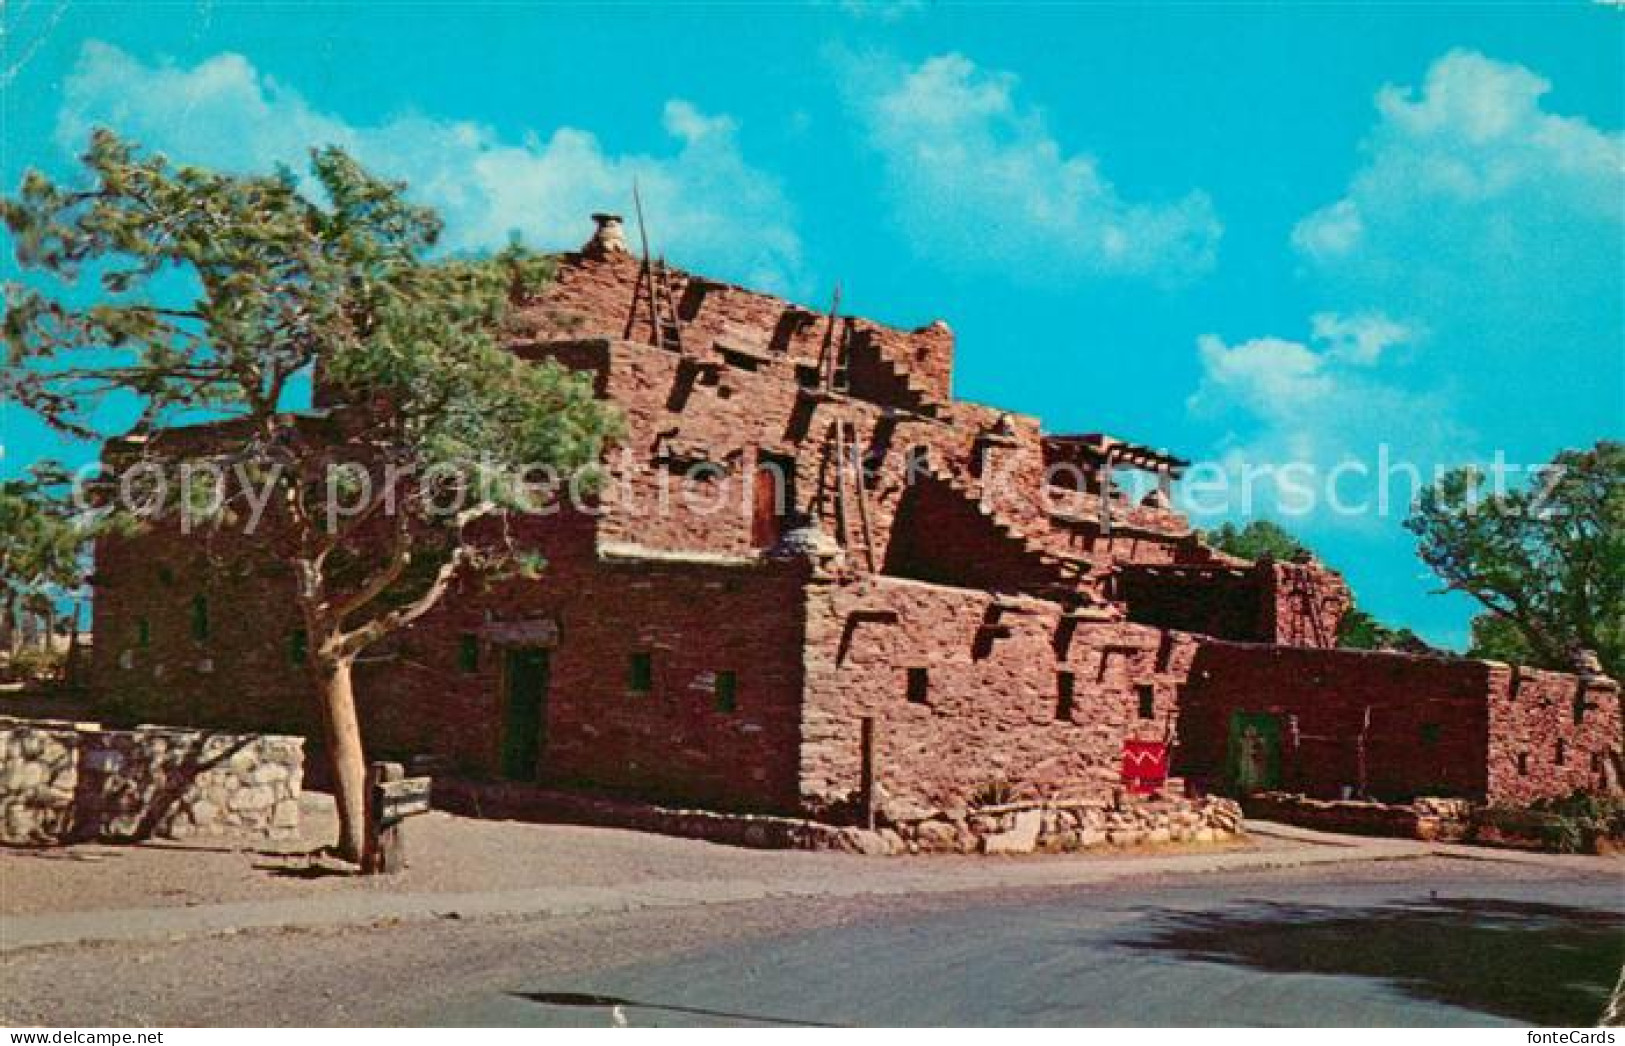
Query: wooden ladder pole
point(826, 359)
point(863, 501)
point(643, 237)
point(842, 502)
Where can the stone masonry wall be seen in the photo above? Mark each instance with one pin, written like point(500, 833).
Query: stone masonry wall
point(70, 782)
point(1551, 733)
point(1408, 725)
point(988, 711)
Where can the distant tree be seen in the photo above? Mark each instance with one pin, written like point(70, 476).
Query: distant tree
point(42, 552)
point(221, 292)
point(1256, 540)
point(1546, 560)
point(1360, 631)
point(1498, 639)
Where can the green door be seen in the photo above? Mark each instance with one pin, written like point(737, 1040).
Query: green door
point(1255, 752)
point(525, 725)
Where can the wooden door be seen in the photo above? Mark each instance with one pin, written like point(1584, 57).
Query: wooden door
point(1255, 752)
point(524, 734)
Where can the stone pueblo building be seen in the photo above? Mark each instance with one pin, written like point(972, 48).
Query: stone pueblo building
point(817, 584)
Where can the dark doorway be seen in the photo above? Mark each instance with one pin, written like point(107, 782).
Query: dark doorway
point(1255, 752)
point(525, 724)
point(774, 498)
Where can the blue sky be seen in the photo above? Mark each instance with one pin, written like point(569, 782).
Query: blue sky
point(1252, 234)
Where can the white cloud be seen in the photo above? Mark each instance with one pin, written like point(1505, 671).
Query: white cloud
point(1498, 225)
point(1361, 338)
point(707, 206)
point(1322, 401)
point(1474, 140)
point(977, 180)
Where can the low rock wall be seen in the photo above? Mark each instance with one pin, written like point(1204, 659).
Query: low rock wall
point(66, 782)
point(1447, 820)
point(1009, 829)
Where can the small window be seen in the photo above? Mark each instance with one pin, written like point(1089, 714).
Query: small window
point(200, 618)
point(727, 691)
point(166, 576)
point(1148, 701)
point(1596, 762)
point(919, 685)
point(1561, 755)
point(640, 676)
point(1430, 734)
point(1580, 707)
point(468, 653)
point(1523, 764)
point(298, 646)
point(143, 633)
point(1065, 689)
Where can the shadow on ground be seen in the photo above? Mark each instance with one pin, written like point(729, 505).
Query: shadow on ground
point(587, 1000)
point(1536, 963)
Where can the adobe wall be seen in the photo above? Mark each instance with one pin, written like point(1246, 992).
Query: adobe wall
point(1427, 732)
point(1551, 733)
point(592, 293)
point(1291, 604)
point(675, 741)
point(754, 349)
point(420, 693)
point(992, 711)
point(1437, 726)
point(1304, 603)
point(661, 494)
point(147, 662)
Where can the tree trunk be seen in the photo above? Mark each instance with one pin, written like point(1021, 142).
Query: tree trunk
point(8, 624)
point(349, 762)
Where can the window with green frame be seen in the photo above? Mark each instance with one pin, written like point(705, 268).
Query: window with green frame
point(727, 691)
point(200, 617)
point(468, 653)
point(298, 646)
point(640, 675)
point(143, 633)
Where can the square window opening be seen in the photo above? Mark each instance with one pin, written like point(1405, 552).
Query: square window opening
point(1065, 693)
point(200, 618)
point(727, 691)
point(640, 674)
point(468, 653)
point(919, 685)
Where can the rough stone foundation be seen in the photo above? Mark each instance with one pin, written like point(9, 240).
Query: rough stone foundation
point(70, 782)
point(1008, 829)
point(1428, 819)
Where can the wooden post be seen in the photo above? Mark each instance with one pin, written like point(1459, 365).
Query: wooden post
point(867, 774)
point(862, 498)
point(386, 842)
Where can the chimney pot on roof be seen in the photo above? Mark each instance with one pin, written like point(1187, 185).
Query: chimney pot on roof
point(609, 236)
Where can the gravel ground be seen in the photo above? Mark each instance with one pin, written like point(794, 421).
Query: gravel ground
point(409, 974)
point(447, 854)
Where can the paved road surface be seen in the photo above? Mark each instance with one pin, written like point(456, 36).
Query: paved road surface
point(1426, 941)
point(1445, 947)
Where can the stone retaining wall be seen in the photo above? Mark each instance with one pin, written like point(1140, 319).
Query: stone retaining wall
point(1008, 829)
point(69, 782)
point(1427, 819)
